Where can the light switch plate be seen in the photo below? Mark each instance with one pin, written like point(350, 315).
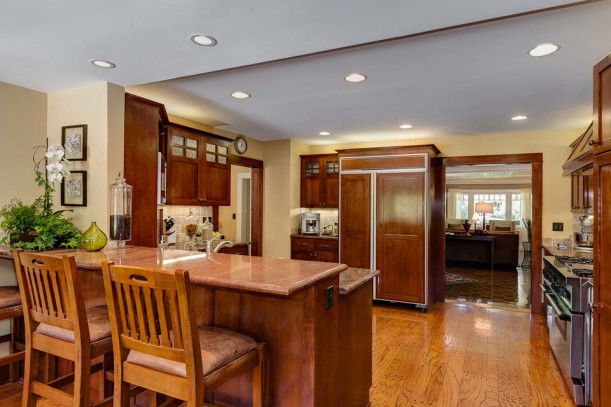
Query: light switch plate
point(558, 226)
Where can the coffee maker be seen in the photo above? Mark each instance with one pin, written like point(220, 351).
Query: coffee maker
point(310, 223)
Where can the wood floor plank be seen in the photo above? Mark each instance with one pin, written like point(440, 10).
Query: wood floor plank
point(459, 355)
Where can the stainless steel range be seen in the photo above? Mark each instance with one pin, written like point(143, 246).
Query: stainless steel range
point(567, 287)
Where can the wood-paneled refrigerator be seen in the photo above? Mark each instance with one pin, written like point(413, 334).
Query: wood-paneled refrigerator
point(387, 221)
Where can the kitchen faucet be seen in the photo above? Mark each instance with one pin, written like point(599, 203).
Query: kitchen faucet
point(222, 244)
point(209, 243)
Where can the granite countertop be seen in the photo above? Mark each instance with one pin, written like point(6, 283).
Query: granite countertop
point(353, 278)
point(253, 274)
point(570, 251)
point(315, 236)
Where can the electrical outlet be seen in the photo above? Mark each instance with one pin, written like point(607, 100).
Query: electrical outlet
point(558, 226)
point(329, 301)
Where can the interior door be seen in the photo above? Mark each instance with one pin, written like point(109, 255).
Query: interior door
point(355, 220)
point(400, 236)
point(601, 357)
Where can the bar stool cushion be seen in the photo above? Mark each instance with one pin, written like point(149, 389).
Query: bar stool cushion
point(218, 346)
point(9, 296)
point(97, 319)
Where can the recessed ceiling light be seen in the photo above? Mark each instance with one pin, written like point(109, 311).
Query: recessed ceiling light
point(406, 126)
point(355, 77)
point(204, 40)
point(240, 95)
point(519, 117)
point(324, 133)
point(542, 50)
point(102, 64)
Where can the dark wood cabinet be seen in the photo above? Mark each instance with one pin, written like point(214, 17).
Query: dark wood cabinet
point(602, 106)
point(198, 171)
point(144, 126)
point(314, 248)
point(601, 307)
point(582, 193)
point(400, 236)
point(241, 249)
point(355, 213)
point(319, 181)
point(385, 204)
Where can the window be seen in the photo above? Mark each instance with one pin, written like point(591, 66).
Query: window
point(506, 205)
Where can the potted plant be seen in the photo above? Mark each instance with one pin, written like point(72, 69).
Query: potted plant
point(37, 226)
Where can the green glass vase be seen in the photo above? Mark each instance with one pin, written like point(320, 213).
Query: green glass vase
point(93, 239)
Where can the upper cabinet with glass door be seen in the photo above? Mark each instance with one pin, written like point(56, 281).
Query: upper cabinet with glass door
point(198, 171)
point(320, 181)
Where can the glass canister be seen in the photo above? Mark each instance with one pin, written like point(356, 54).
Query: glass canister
point(121, 211)
point(190, 230)
point(207, 228)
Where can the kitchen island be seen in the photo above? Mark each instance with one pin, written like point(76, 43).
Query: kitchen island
point(318, 340)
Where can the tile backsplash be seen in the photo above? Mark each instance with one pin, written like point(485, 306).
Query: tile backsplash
point(179, 213)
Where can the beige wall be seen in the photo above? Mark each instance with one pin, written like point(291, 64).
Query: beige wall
point(276, 199)
point(101, 106)
point(23, 125)
point(297, 148)
point(228, 225)
point(553, 144)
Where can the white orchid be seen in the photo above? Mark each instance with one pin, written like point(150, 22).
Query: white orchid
point(57, 165)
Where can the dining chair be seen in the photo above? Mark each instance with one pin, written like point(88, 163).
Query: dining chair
point(10, 308)
point(58, 324)
point(158, 346)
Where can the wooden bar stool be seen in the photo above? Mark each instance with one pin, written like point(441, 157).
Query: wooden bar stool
point(10, 308)
point(57, 323)
point(158, 346)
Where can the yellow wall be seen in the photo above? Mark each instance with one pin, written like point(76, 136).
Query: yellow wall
point(23, 125)
point(101, 106)
point(276, 199)
point(553, 144)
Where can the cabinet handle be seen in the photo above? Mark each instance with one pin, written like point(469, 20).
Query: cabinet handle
point(303, 244)
point(325, 246)
point(203, 200)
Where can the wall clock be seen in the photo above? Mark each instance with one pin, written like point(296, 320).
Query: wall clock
point(240, 145)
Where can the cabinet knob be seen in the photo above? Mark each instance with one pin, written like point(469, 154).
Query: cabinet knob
point(592, 142)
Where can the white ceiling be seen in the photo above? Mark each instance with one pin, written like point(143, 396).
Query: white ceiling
point(468, 80)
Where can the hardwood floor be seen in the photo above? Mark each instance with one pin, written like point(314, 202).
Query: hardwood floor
point(509, 286)
point(461, 354)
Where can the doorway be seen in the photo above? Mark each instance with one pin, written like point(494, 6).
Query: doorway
point(244, 207)
point(249, 205)
point(484, 230)
point(536, 162)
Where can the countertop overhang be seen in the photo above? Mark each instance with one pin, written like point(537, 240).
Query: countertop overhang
point(254, 274)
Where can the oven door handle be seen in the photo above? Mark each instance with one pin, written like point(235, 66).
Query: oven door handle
point(557, 309)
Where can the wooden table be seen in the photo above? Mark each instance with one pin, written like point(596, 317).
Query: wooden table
point(319, 351)
point(472, 249)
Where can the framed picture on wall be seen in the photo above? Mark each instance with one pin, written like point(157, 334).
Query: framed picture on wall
point(74, 140)
point(74, 189)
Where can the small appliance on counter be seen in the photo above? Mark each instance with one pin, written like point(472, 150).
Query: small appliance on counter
point(310, 223)
point(585, 238)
